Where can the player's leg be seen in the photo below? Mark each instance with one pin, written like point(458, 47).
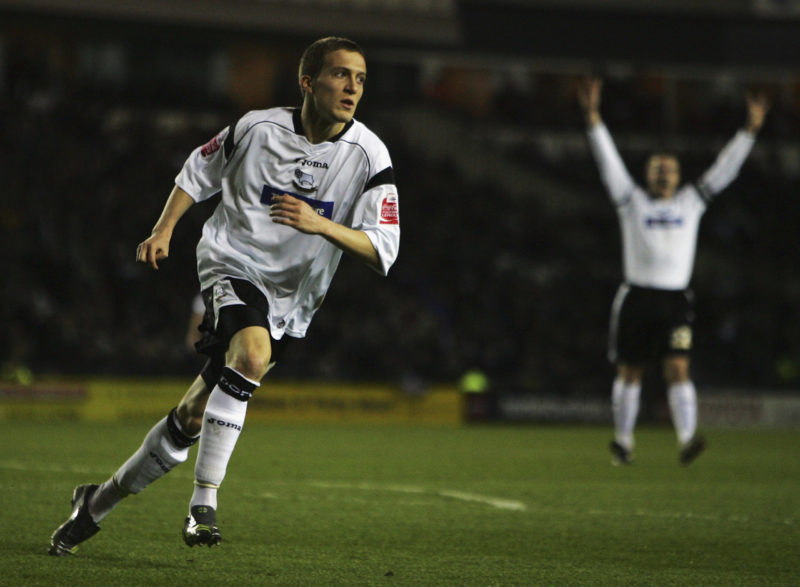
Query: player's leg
point(189, 412)
point(625, 399)
point(247, 360)
point(238, 339)
point(682, 399)
point(681, 393)
point(681, 396)
point(626, 350)
point(165, 446)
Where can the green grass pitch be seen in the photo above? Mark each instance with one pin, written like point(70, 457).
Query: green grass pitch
point(403, 505)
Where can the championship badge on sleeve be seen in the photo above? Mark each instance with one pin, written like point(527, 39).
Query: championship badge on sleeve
point(212, 146)
point(390, 214)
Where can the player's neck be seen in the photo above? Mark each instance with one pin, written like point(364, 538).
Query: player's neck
point(316, 128)
point(662, 194)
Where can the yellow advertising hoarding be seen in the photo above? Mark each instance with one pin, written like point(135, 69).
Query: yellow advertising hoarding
point(118, 399)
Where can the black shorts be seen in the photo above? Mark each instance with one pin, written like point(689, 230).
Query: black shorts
point(649, 324)
point(231, 305)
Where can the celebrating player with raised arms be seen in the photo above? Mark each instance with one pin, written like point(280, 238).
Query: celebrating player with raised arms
point(652, 313)
point(299, 186)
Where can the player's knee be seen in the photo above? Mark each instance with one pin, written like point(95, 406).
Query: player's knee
point(252, 363)
point(249, 353)
point(630, 374)
point(676, 370)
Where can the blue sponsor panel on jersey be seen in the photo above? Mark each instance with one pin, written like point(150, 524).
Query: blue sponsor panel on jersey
point(663, 222)
point(322, 208)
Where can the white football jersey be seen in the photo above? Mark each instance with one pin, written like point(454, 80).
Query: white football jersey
point(347, 179)
point(659, 236)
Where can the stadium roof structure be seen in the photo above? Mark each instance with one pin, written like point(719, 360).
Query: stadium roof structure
point(755, 36)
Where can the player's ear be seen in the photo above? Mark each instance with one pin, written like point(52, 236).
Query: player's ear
point(305, 84)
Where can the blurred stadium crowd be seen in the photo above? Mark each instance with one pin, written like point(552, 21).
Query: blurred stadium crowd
point(510, 251)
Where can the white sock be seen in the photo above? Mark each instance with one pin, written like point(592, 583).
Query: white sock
point(683, 406)
point(222, 424)
point(156, 456)
point(104, 499)
point(625, 407)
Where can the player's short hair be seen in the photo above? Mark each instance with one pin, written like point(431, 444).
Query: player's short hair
point(662, 155)
point(314, 56)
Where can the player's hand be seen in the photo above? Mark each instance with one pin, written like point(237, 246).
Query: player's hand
point(288, 210)
point(153, 249)
point(589, 92)
point(757, 107)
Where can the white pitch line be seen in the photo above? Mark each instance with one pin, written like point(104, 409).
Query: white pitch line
point(501, 504)
point(367, 486)
point(495, 502)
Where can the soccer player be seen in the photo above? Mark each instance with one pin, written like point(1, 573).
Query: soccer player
point(299, 186)
point(652, 313)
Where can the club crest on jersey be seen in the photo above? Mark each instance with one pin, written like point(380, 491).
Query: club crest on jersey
point(304, 181)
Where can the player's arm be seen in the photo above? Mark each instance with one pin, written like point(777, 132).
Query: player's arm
point(589, 92)
point(292, 212)
point(613, 172)
point(201, 176)
point(156, 246)
point(757, 107)
point(730, 160)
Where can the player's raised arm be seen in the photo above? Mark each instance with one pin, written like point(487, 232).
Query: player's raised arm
point(156, 246)
point(589, 93)
point(757, 107)
point(730, 160)
point(613, 172)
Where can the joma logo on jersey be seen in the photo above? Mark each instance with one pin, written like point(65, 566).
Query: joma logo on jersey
point(223, 423)
point(317, 164)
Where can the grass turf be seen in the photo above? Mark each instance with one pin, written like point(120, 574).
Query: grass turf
point(395, 505)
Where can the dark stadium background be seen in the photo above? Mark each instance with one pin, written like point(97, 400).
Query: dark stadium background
point(510, 250)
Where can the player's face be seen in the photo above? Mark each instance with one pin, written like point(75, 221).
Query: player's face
point(336, 91)
point(663, 173)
